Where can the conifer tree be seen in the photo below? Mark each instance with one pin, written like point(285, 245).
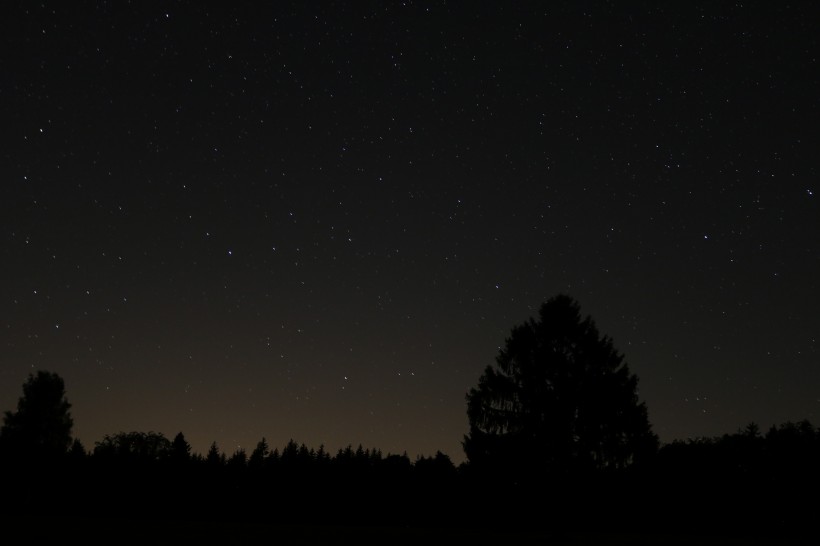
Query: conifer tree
point(560, 397)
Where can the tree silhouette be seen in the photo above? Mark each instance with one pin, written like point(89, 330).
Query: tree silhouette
point(77, 450)
point(239, 459)
point(136, 446)
point(259, 455)
point(42, 424)
point(560, 398)
point(213, 457)
point(180, 450)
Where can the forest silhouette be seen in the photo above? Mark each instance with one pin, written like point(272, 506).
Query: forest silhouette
point(558, 442)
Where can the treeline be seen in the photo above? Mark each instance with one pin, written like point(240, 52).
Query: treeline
point(743, 483)
point(786, 454)
point(747, 483)
point(144, 474)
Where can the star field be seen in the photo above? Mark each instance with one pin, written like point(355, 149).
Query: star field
point(320, 221)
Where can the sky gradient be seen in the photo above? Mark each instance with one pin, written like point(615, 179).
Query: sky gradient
point(320, 221)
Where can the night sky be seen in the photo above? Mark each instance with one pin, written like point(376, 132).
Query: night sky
point(319, 221)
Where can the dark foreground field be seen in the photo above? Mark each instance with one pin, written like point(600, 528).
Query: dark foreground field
point(124, 531)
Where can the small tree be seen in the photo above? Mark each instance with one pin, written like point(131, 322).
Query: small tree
point(259, 455)
point(213, 458)
point(239, 459)
point(42, 424)
point(559, 398)
point(180, 449)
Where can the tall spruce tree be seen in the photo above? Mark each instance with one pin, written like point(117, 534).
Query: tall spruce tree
point(559, 399)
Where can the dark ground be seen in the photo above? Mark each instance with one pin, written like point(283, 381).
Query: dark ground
point(125, 531)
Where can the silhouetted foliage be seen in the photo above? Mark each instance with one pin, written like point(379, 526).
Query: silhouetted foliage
point(42, 424)
point(142, 447)
point(213, 457)
point(180, 451)
point(238, 460)
point(436, 468)
point(259, 455)
point(77, 450)
point(769, 479)
point(702, 484)
point(559, 398)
